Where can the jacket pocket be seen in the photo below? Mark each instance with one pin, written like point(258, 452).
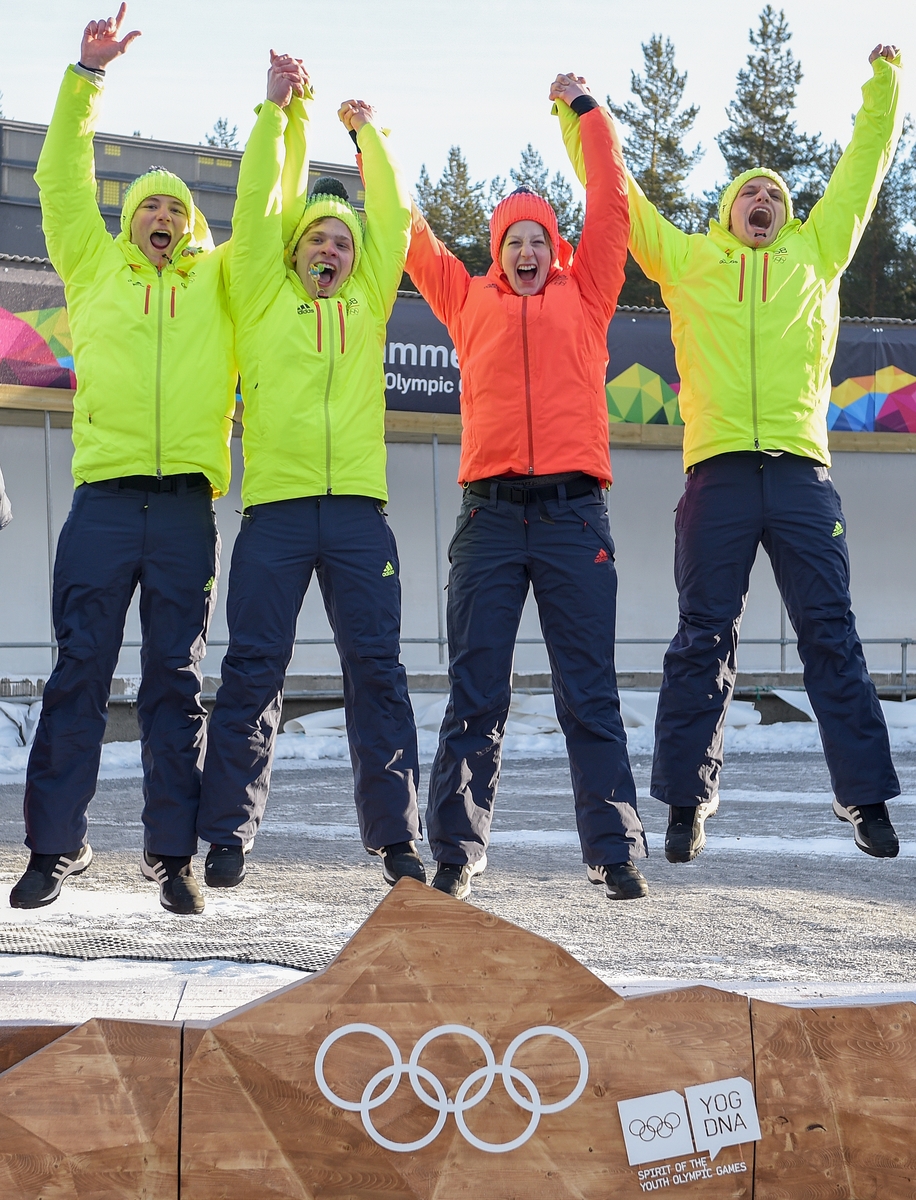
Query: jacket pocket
point(468, 512)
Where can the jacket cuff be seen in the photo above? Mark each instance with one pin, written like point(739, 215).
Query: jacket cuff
point(96, 76)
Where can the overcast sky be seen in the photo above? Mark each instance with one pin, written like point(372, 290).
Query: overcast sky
point(441, 72)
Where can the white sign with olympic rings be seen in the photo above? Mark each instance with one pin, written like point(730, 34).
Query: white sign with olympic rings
point(655, 1127)
point(384, 1083)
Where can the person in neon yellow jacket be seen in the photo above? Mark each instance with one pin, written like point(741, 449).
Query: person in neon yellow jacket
point(154, 359)
point(754, 318)
point(311, 290)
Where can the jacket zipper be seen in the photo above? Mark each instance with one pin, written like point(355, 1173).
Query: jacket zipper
point(343, 336)
point(318, 313)
point(527, 385)
point(159, 378)
point(766, 267)
point(741, 282)
point(327, 402)
point(754, 348)
point(149, 288)
point(172, 309)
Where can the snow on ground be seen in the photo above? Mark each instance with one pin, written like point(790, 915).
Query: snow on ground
point(531, 732)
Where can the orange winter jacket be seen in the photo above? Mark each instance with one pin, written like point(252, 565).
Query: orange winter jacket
point(533, 368)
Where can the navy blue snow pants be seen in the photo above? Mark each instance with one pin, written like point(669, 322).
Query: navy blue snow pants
point(498, 551)
point(347, 542)
point(733, 503)
point(116, 538)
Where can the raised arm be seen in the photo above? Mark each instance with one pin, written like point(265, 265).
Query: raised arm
point(74, 228)
point(387, 204)
point(658, 246)
point(839, 218)
point(442, 278)
point(600, 260)
point(256, 262)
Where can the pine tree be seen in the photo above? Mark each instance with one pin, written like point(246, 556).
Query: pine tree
point(457, 212)
point(558, 192)
point(881, 279)
point(222, 136)
point(655, 153)
point(654, 149)
point(761, 132)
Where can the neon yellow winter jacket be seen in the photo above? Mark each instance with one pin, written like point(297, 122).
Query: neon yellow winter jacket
point(313, 378)
point(755, 331)
point(153, 352)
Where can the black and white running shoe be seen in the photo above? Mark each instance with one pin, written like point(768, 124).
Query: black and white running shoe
point(454, 879)
point(401, 861)
point(179, 891)
point(871, 827)
point(622, 881)
point(225, 865)
point(686, 835)
point(41, 883)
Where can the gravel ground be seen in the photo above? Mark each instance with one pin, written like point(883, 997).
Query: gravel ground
point(779, 895)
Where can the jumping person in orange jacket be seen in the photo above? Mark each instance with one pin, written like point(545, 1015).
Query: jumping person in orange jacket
point(531, 337)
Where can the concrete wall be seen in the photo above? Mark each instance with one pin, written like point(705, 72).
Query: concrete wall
point(878, 492)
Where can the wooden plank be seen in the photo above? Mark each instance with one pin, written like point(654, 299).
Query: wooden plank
point(19, 1041)
point(13, 395)
point(836, 1093)
point(256, 1122)
point(93, 1114)
point(420, 426)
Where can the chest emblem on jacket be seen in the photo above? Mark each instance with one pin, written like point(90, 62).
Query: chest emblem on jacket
point(304, 308)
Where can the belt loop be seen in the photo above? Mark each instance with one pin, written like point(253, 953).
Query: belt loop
point(561, 492)
point(494, 491)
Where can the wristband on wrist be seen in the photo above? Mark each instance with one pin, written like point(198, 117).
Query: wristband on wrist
point(352, 133)
point(94, 70)
point(583, 104)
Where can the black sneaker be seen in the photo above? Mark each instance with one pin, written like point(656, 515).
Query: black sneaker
point(41, 883)
point(871, 827)
point(178, 889)
point(401, 861)
point(225, 865)
point(686, 836)
point(622, 881)
point(455, 878)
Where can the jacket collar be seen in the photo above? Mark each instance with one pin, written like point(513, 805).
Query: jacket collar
point(730, 244)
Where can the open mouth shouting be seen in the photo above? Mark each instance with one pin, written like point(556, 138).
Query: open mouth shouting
point(760, 218)
point(160, 239)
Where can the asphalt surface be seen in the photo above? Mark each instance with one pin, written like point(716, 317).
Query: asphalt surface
point(780, 895)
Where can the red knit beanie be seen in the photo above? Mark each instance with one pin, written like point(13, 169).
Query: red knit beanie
point(523, 205)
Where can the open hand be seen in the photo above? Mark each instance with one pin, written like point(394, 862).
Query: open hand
point(568, 87)
point(287, 77)
point(888, 52)
point(355, 114)
point(102, 41)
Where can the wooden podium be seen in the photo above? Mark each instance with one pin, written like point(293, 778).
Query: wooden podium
point(446, 1053)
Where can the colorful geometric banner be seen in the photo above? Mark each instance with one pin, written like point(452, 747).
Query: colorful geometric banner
point(33, 357)
point(882, 403)
point(36, 349)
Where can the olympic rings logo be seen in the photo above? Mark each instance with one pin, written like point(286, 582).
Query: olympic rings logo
point(374, 1094)
point(661, 1127)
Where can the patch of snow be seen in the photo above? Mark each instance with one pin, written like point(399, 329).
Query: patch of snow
point(532, 731)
